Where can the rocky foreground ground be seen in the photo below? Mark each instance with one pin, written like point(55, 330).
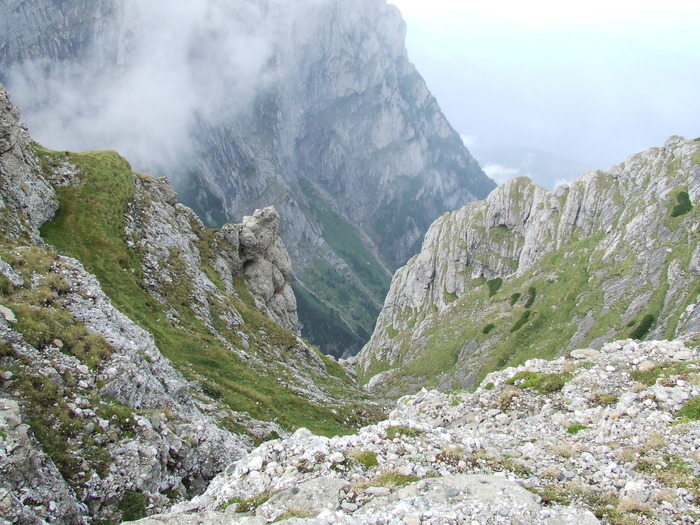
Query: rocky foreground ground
point(606, 436)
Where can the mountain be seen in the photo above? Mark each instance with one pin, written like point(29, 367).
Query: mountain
point(528, 273)
point(140, 352)
point(310, 106)
point(596, 437)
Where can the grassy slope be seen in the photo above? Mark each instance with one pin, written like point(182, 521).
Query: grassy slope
point(89, 226)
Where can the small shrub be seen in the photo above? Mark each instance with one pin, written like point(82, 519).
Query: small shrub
point(627, 455)
point(643, 327)
point(565, 449)
point(569, 368)
point(600, 399)
point(451, 454)
point(494, 285)
point(655, 441)
point(521, 322)
point(664, 495)
point(489, 386)
point(515, 298)
point(132, 505)
point(684, 205)
point(488, 328)
point(632, 505)
point(506, 397)
point(6, 349)
point(6, 287)
point(531, 295)
point(576, 428)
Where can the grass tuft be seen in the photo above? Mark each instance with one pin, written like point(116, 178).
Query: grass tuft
point(539, 381)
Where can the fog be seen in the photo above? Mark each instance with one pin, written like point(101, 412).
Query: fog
point(177, 62)
point(592, 82)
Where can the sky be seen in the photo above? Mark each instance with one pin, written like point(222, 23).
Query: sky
point(592, 81)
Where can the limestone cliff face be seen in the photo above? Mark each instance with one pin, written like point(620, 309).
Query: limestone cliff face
point(511, 277)
point(340, 134)
point(116, 404)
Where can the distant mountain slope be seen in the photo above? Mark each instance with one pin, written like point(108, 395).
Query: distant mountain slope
point(140, 352)
point(526, 273)
point(310, 106)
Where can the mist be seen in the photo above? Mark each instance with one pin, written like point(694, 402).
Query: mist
point(176, 63)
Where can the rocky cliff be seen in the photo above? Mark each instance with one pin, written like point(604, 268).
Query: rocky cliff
point(140, 353)
point(529, 273)
point(599, 436)
point(312, 107)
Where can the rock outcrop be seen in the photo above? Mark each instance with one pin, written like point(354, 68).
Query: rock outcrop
point(340, 132)
point(598, 436)
point(114, 407)
point(529, 273)
point(27, 199)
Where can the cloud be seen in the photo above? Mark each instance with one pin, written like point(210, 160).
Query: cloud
point(470, 141)
point(177, 63)
point(501, 173)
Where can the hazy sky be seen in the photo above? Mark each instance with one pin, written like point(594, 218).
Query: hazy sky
point(592, 81)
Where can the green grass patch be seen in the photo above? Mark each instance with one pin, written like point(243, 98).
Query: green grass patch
point(690, 410)
point(396, 431)
point(250, 504)
point(576, 428)
point(649, 377)
point(294, 513)
point(40, 326)
point(539, 381)
point(366, 458)
point(394, 479)
point(450, 297)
